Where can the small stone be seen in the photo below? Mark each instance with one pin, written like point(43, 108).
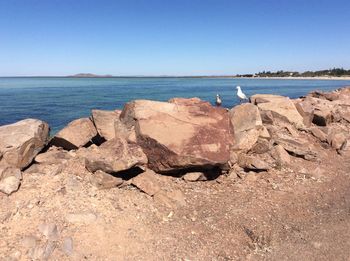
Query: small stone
point(147, 182)
point(49, 230)
point(50, 247)
point(10, 179)
point(85, 218)
point(194, 176)
point(281, 155)
point(29, 242)
point(67, 246)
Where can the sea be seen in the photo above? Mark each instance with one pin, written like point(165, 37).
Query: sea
point(61, 100)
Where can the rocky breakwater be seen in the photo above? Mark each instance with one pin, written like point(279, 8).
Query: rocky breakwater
point(187, 138)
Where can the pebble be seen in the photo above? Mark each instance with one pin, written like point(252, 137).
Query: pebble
point(49, 230)
point(67, 246)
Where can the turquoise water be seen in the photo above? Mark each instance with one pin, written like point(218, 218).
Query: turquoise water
point(60, 100)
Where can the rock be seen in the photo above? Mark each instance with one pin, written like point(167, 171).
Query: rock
point(247, 126)
point(113, 156)
point(104, 122)
point(102, 180)
point(284, 107)
point(194, 176)
point(20, 142)
point(54, 155)
point(170, 199)
point(76, 134)
point(123, 132)
point(147, 182)
point(323, 114)
point(81, 218)
point(336, 139)
point(281, 155)
point(318, 133)
point(29, 242)
point(49, 230)
point(263, 98)
point(10, 179)
point(252, 163)
point(261, 146)
point(306, 110)
point(67, 246)
point(180, 134)
point(297, 147)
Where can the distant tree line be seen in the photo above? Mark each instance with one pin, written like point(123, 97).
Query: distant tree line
point(331, 72)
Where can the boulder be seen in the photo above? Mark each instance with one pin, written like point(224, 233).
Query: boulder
point(180, 134)
point(318, 133)
point(280, 155)
point(247, 126)
point(103, 180)
point(147, 182)
point(297, 147)
point(250, 162)
point(336, 138)
point(323, 108)
point(113, 156)
point(10, 179)
point(284, 107)
point(263, 98)
point(22, 141)
point(76, 134)
point(306, 110)
point(54, 155)
point(104, 122)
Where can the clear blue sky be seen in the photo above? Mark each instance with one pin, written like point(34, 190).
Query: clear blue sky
point(169, 37)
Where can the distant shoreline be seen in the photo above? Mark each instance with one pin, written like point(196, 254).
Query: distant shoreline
point(344, 78)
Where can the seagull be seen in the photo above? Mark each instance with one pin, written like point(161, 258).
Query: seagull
point(240, 94)
point(218, 100)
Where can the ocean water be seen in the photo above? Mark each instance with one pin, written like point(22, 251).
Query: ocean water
point(61, 100)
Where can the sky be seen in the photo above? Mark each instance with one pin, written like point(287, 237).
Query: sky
point(172, 37)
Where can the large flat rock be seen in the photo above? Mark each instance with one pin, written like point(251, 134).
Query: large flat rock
point(76, 134)
point(22, 141)
point(280, 105)
point(180, 134)
point(104, 122)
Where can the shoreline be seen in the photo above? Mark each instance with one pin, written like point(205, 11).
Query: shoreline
point(341, 78)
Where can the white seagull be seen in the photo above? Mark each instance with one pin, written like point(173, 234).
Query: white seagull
point(218, 100)
point(240, 94)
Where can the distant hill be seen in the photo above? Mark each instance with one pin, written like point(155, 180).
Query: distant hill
point(89, 75)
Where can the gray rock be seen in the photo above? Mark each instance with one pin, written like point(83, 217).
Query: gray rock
point(67, 246)
point(49, 230)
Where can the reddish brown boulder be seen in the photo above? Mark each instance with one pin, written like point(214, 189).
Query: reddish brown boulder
point(147, 182)
point(76, 134)
point(104, 122)
point(247, 126)
point(113, 156)
point(306, 110)
point(20, 142)
point(280, 105)
point(180, 134)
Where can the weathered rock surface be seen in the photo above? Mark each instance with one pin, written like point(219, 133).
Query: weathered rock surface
point(103, 180)
point(281, 155)
point(180, 134)
point(147, 182)
point(247, 126)
point(306, 110)
point(54, 155)
point(76, 134)
point(113, 156)
point(252, 163)
point(10, 179)
point(282, 106)
point(104, 122)
point(22, 141)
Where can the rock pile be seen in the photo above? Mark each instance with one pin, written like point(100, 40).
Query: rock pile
point(183, 137)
